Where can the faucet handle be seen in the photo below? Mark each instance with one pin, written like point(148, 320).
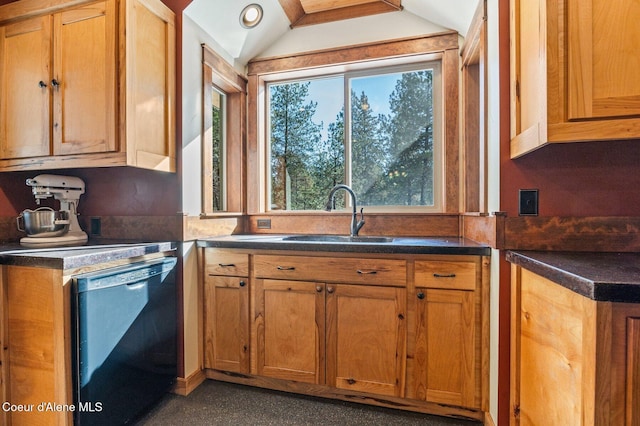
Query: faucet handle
point(360, 223)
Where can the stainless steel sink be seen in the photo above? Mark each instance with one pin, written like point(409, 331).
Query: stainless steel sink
point(338, 239)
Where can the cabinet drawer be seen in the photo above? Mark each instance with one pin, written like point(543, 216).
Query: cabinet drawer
point(219, 262)
point(446, 275)
point(339, 270)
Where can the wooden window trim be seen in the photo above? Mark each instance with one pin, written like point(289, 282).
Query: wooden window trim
point(396, 52)
point(216, 71)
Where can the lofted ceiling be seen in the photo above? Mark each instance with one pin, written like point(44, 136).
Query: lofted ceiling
point(281, 18)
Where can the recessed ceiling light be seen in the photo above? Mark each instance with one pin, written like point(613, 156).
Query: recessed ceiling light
point(251, 15)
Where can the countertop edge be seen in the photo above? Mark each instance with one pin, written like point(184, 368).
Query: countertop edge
point(410, 246)
point(574, 271)
point(65, 258)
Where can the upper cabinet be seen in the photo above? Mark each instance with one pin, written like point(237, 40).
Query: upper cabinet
point(573, 72)
point(87, 85)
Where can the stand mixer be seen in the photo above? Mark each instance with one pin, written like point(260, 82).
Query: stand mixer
point(67, 190)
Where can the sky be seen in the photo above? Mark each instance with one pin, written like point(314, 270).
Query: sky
point(328, 92)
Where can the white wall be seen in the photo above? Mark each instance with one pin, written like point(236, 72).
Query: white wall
point(192, 39)
point(386, 26)
point(493, 181)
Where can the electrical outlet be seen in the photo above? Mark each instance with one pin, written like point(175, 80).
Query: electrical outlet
point(528, 202)
point(96, 226)
point(264, 223)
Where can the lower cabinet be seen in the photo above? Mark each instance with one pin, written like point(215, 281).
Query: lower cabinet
point(574, 360)
point(347, 336)
point(226, 311)
point(398, 331)
point(226, 323)
point(446, 339)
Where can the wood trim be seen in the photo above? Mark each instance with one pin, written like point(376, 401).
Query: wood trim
point(633, 372)
point(586, 234)
point(299, 17)
point(346, 395)
point(376, 50)
point(216, 71)
point(445, 44)
point(5, 389)
point(184, 386)
point(514, 365)
point(451, 142)
point(484, 229)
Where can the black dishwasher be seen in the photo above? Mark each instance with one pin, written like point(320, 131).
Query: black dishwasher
point(125, 350)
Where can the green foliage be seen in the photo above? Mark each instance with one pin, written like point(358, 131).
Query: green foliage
point(391, 155)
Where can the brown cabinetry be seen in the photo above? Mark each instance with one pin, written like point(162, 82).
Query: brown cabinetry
point(226, 311)
point(86, 83)
point(573, 360)
point(573, 73)
point(346, 336)
point(446, 366)
point(410, 330)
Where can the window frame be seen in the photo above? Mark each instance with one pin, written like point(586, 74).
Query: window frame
point(372, 70)
point(218, 75)
point(442, 46)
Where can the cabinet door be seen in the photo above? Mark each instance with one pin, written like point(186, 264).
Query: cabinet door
point(366, 341)
point(25, 61)
point(444, 366)
point(150, 85)
point(291, 334)
point(84, 79)
point(226, 323)
point(603, 58)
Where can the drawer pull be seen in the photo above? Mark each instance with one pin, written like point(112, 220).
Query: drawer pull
point(444, 275)
point(286, 268)
point(226, 265)
point(361, 272)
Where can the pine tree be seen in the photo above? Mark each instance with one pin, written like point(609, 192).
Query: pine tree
point(368, 149)
point(294, 140)
point(411, 140)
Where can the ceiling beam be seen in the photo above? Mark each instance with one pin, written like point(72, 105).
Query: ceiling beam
point(298, 17)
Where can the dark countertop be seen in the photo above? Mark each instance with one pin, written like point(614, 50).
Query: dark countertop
point(606, 277)
point(400, 245)
point(92, 253)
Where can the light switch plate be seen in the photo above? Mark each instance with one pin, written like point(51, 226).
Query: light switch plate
point(528, 202)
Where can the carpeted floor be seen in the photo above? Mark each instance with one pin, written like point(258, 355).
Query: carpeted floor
point(218, 403)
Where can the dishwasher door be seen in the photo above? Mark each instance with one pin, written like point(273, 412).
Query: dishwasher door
point(125, 351)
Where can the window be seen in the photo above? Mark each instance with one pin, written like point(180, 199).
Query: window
point(223, 115)
point(218, 144)
point(377, 130)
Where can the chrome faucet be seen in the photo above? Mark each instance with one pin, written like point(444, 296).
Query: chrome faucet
point(355, 223)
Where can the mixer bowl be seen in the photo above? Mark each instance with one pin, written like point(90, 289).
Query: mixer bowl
point(43, 222)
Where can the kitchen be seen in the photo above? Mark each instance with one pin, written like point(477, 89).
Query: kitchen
point(583, 187)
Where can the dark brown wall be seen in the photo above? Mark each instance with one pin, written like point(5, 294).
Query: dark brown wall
point(576, 179)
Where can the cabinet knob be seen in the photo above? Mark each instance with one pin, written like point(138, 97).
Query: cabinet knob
point(319, 289)
point(421, 295)
point(55, 83)
point(330, 290)
point(242, 283)
point(42, 84)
